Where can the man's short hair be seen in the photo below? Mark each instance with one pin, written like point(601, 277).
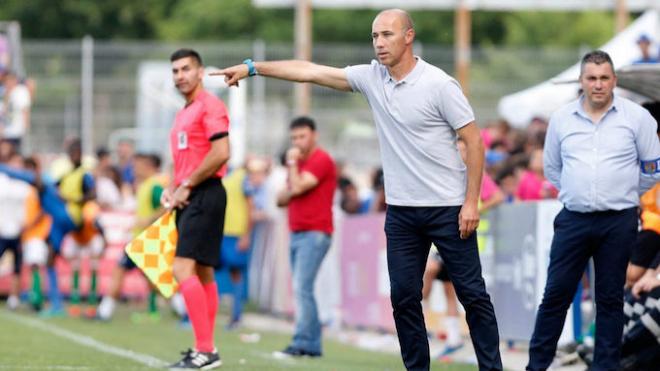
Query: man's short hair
point(152, 158)
point(301, 122)
point(597, 57)
point(186, 53)
point(102, 152)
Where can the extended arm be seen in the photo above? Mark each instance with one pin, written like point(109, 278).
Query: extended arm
point(290, 70)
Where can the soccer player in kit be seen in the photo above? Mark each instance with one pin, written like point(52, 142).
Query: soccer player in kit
point(78, 190)
point(432, 195)
point(200, 149)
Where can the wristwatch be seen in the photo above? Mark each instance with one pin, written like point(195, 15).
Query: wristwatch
point(252, 70)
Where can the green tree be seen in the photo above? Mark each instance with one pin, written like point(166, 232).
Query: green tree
point(240, 20)
point(75, 18)
point(558, 28)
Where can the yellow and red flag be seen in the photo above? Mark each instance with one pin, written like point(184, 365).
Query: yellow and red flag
point(153, 252)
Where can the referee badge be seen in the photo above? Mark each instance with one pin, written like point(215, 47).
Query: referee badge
point(182, 140)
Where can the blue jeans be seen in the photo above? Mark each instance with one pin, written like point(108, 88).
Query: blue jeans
point(307, 252)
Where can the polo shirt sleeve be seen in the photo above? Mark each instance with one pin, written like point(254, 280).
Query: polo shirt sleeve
point(216, 121)
point(454, 106)
point(319, 166)
point(357, 77)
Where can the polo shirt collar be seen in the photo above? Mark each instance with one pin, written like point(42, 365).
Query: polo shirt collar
point(412, 77)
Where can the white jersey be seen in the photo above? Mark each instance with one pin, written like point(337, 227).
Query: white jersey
point(13, 196)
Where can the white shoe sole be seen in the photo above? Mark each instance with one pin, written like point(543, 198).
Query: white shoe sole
point(213, 365)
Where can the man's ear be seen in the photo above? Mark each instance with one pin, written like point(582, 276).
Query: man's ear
point(410, 36)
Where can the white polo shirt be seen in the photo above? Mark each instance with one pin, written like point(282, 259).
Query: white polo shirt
point(416, 121)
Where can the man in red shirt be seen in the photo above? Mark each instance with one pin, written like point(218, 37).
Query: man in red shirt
point(200, 149)
point(311, 188)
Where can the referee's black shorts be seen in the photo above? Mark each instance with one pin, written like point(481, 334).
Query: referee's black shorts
point(200, 224)
point(442, 275)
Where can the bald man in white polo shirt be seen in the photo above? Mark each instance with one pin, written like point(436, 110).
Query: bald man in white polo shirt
point(431, 194)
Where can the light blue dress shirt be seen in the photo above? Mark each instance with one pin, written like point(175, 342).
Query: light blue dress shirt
point(598, 166)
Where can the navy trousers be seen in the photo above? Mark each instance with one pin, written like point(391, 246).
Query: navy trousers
point(410, 231)
point(607, 236)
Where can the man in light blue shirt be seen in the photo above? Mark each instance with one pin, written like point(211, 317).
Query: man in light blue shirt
point(601, 152)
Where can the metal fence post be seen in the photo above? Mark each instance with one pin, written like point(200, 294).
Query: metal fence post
point(87, 95)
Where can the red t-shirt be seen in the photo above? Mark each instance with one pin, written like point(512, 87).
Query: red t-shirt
point(194, 127)
point(312, 210)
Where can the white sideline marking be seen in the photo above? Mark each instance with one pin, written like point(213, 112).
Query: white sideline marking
point(53, 367)
point(87, 341)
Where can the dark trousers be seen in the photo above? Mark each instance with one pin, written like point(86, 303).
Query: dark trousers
point(607, 236)
point(410, 231)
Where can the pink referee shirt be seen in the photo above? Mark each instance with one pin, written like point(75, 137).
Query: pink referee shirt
point(195, 125)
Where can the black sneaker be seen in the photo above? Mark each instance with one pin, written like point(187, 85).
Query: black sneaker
point(291, 351)
point(586, 354)
point(193, 360)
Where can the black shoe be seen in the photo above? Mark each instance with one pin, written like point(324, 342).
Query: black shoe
point(193, 360)
point(586, 354)
point(291, 351)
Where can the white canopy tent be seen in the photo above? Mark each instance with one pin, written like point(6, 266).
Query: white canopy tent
point(541, 100)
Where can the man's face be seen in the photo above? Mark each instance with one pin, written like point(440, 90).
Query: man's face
point(75, 155)
point(6, 150)
point(10, 81)
point(141, 167)
point(644, 47)
point(124, 151)
point(187, 74)
point(303, 138)
point(598, 81)
point(390, 38)
point(15, 161)
point(104, 161)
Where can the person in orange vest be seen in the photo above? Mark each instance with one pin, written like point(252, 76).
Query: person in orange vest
point(648, 237)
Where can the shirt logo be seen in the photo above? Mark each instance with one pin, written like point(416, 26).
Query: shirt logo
point(182, 140)
point(651, 167)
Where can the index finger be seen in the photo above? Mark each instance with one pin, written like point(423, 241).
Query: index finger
point(217, 73)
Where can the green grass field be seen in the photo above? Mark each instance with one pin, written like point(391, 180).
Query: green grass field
point(28, 342)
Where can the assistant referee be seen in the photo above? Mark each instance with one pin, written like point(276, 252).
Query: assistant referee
point(200, 149)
